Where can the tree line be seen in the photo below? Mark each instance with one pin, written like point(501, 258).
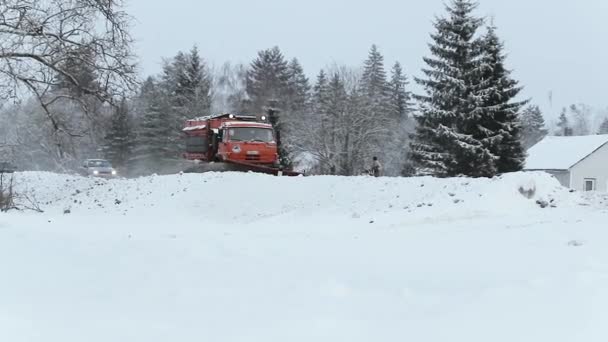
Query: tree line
point(470, 119)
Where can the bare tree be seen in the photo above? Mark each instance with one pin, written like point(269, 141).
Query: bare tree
point(581, 115)
point(340, 134)
point(37, 37)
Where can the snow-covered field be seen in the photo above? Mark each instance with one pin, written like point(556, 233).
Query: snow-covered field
point(247, 257)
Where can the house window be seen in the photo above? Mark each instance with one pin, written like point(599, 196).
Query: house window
point(589, 184)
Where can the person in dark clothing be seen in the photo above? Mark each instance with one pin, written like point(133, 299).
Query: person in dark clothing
point(376, 167)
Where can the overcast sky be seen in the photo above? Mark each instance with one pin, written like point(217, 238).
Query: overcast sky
point(553, 45)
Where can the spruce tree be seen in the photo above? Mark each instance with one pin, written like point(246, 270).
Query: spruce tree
point(268, 80)
point(445, 142)
point(268, 89)
point(119, 140)
point(187, 82)
point(399, 96)
point(154, 144)
point(337, 100)
point(298, 88)
point(374, 84)
point(319, 96)
point(498, 120)
point(533, 126)
point(197, 86)
point(400, 110)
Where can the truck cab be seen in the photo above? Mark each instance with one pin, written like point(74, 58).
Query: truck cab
point(231, 138)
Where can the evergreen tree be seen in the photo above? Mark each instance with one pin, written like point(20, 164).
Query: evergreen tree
point(197, 86)
point(119, 140)
point(78, 63)
point(563, 124)
point(579, 115)
point(268, 89)
point(185, 88)
point(533, 126)
point(298, 87)
point(604, 127)
point(337, 100)
point(499, 126)
point(319, 95)
point(374, 85)
point(187, 82)
point(445, 143)
point(374, 98)
point(174, 80)
point(400, 110)
point(268, 80)
point(399, 96)
point(154, 143)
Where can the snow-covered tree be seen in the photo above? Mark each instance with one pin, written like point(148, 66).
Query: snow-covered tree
point(268, 80)
point(229, 89)
point(298, 88)
point(78, 64)
point(154, 144)
point(581, 116)
point(42, 41)
point(498, 127)
point(533, 126)
point(187, 81)
point(197, 88)
point(119, 140)
point(268, 90)
point(563, 124)
point(444, 143)
point(400, 97)
point(374, 84)
point(400, 111)
point(319, 96)
point(376, 101)
point(340, 134)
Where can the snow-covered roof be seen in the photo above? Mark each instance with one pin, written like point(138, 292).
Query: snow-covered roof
point(247, 124)
point(562, 153)
point(192, 128)
point(215, 116)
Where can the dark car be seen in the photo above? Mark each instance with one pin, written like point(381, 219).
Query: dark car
point(7, 167)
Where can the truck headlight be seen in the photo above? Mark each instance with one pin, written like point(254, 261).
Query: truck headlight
point(95, 172)
point(113, 172)
point(236, 149)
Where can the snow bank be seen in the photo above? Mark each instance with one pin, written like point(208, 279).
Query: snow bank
point(248, 257)
point(237, 197)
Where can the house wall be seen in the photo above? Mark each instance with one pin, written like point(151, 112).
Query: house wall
point(562, 176)
point(594, 166)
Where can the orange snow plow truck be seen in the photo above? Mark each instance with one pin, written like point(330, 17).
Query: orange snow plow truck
point(229, 142)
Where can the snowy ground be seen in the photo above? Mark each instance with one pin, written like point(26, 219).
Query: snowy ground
point(247, 257)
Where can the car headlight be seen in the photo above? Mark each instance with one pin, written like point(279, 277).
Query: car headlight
point(114, 172)
point(95, 172)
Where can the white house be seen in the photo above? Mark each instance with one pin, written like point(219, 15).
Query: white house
point(580, 163)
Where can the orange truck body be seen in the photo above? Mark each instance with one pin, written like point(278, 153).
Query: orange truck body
point(231, 138)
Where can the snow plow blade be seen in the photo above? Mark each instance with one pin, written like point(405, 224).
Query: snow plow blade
point(263, 169)
point(232, 166)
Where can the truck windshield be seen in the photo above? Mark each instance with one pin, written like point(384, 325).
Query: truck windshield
point(250, 134)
